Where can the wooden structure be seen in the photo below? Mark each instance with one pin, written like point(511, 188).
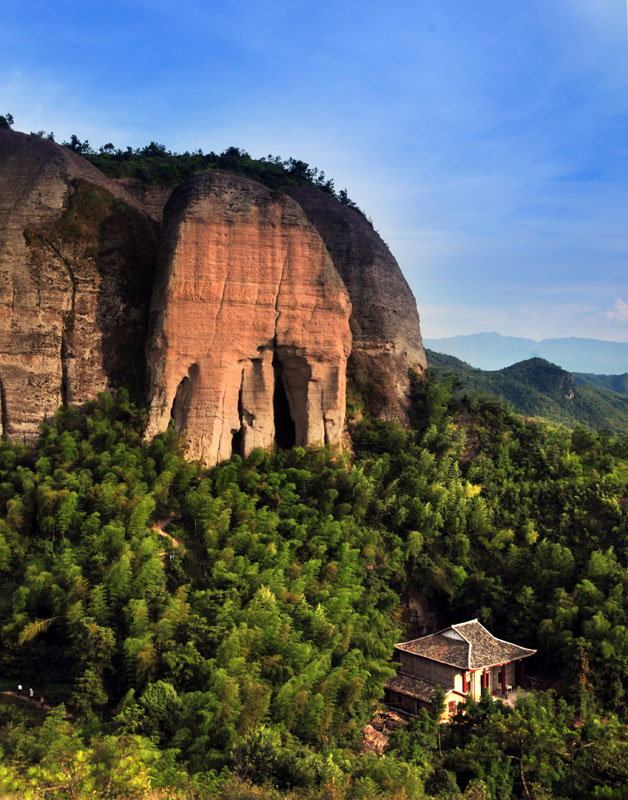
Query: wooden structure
point(463, 659)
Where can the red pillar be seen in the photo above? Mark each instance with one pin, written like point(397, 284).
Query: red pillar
point(504, 679)
point(464, 683)
point(484, 678)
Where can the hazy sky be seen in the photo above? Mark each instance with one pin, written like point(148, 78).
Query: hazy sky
point(487, 139)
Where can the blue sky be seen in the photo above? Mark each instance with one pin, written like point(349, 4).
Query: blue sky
point(488, 140)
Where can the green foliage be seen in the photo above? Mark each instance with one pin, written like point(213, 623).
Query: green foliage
point(154, 166)
point(257, 609)
point(540, 389)
point(616, 383)
point(239, 647)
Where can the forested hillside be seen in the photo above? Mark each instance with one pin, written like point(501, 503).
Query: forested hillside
point(491, 351)
point(228, 632)
point(618, 383)
point(537, 388)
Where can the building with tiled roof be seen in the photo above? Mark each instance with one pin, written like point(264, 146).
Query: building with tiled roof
point(463, 659)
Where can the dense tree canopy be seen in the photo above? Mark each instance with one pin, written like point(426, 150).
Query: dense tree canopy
point(229, 631)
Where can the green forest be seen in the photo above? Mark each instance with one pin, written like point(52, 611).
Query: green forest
point(535, 387)
point(228, 632)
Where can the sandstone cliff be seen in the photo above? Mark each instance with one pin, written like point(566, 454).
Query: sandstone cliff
point(76, 255)
point(384, 320)
point(152, 200)
point(249, 322)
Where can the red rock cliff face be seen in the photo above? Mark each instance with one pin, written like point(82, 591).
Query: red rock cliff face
point(251, 311)
point(384, 320)
point(250, 323)
point(73, 249)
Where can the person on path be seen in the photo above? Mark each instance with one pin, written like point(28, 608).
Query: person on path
point(30, 693)
point(19, 690)
point(41, 700)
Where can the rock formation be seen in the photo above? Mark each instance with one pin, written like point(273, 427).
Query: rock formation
point(384, 320)
point(257, 298)
point(76, 253)
point(249, 323)
point(152, 200)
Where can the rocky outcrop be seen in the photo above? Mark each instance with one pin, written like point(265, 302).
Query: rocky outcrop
point(249, 323)
point(152, 200)
point(251, 320)
point(384, 320)
point(76, 256)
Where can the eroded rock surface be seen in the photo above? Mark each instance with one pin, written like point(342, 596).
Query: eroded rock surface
point(249, 323)
point(76, 253)
point(384, 320)
point(152, 200)
point(251, 315)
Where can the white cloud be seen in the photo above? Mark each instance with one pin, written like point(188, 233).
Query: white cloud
point(619, 311)
point(534, 321)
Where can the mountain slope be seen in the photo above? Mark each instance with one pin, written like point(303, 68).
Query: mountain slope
point(492, 351)
point(617, 383)
point(537, 388)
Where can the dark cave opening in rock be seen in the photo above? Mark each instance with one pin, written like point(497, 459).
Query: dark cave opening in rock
point(182, 399)
point(285, 434)
point(237, 438)
point(177, 412)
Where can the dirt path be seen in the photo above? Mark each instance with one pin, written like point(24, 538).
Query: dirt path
point(158, 528)
point(32, 700)
point(35, 702)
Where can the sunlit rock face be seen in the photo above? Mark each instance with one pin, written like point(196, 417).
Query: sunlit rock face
point(384, 321)
point(251, 320)
point(249, 323)
point(74, 250)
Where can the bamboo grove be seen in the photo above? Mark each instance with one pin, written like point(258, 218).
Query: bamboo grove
point(228, 632)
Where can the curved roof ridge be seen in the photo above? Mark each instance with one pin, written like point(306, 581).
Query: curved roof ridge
point(442, 630)
point(505, 641)
point(455, 627)
point(466, 645)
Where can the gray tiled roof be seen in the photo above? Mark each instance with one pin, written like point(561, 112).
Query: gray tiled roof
point(478, 648)
point(413, 687)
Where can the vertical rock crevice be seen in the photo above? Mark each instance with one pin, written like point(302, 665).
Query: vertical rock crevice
point(68, 318)
point(64, 389)
point(295, 374)
point(237, 437)
point(4, 415)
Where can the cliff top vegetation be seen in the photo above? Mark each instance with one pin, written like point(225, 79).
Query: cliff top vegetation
point(154, 166)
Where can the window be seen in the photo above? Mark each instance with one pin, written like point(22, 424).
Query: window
point(451, 708)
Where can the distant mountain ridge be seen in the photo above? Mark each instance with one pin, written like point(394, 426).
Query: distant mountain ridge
point(492, 351)
point(537, 388)
point(617, 383)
